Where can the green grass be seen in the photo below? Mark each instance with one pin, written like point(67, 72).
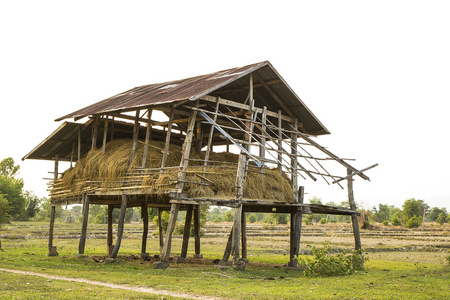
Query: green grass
point(388, 275)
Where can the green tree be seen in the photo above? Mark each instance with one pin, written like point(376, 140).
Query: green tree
point(8, 168)
point(441, 218)
point(12, 187)
point(32, 204)
point(435, 212)
point(229, 215)
point(413, 207)
point(4, 209)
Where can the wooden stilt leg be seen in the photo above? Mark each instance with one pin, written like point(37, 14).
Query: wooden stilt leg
point(351, 200)
point(244, 236)
point(296, 230)
point(84, 224)
point(235, 242)
point(170, 226)
point(123, 209)
point(109, 235)
point(187, 231)
point(197, 231)
point(160, 231)
point(51, 249)
point(145, 230)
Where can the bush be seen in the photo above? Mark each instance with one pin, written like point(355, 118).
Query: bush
point(385, 223)
point(413, 222)
point(323, 221)
point(396, 221)
point(252, 218)
point(323, 264)
point(218, 219)
point(308, 219)
point(441, 219)
point(448, 259)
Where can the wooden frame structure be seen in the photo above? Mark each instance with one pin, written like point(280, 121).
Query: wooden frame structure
point(250, 110)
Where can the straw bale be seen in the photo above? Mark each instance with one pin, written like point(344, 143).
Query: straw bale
point(113, 169)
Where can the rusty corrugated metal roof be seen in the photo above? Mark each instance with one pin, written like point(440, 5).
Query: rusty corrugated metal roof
point(217, 84)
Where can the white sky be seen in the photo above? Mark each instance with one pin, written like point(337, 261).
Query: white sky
point(376, 73)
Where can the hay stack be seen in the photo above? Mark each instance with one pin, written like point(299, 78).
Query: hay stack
point(105, 171)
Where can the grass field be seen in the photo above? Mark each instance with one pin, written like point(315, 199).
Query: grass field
point(403, 264)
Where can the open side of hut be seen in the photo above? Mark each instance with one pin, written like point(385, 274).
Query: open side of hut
point(239, 138)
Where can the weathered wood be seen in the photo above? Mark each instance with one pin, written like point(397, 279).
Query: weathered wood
point(237, 226)
point(147, 137)
point(226, 254)
point(135, 136)
point(109, 233)
point(123, 209)
point(197, 230)
point(280, 145)
point(355, 225)
point(105, 135)
point(198, 138)
point(168, 135)
point(84, 224)
point(187, 231)
point(210, 137)
point(186, 149)
point(355, 173)
point(301, 194)
point(160, 231)
point(244, 235)
point(168, 238)
point(296, 229)
point(262, 147)
point(51, 248)
point(294, 177)
point(79, 144)
point(145, 229)
point(95, 132)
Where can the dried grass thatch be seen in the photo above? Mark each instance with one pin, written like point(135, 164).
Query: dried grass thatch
point(111, 170)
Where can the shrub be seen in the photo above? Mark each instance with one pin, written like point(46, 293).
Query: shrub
point(218, 219)
point(385, 223)
point(413, 222)
point(308, 219)
point(252, 218)
point(323, 221)
point(396, 221)
point(323, 264)
point(448, 259)
point(441, 219)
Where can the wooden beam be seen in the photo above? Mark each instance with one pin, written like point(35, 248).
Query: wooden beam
point(166, 145)
point(294, 163)
point(187, 231)
point(135, 137)
point(145, 225)
point(109, 232)
point(210, 137)
point(123, 209)
point(51, 249)
point(95, 132)
point(226, 254)
point(197, 230)
point(246, 87)
point(160, 231)
point(262, 147)
point(170, 227)
point(280, 145)
point(355, 225)
point(84, 224)
point(105, 135)
point(79, 144)
point(244, 235)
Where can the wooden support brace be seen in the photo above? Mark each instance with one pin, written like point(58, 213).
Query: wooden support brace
point(295, 235)
point(51, 249)
point(226, 254)
point(109, 233)
point(355, 225)
point(197, 230)
point(123, 209)
point(187, 231)
point(160, 231)
point(170, 227)
point(244, 235)
point(145, 229)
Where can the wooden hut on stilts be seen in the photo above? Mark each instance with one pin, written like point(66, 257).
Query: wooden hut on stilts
point(126, 156)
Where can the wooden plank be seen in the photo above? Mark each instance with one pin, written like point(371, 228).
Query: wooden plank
point(187, 231)
point(123, 209)
point(84, 224)
point(170, 227)
point(109, 232)
point(145, 229)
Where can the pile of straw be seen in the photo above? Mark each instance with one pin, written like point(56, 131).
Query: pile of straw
point(113, 170)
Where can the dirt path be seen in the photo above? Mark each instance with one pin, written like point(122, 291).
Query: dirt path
point(116, 286)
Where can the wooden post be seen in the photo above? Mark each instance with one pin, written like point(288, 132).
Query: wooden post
point(280, 144)
point(145, 229)
point(262, 147)
point(187, 231)
point(123, 209)
point(160, 231)
point(198, 138)
point(112, 129)
point(84, 224)
point(295, 234)
point(238, 210)
point(95, 132)
point(244, 235)
point(147, 137)
point(210, 137)
point(79, 144)
point(294, 176)
point(135, 136)
point(355, 224)
point(197, 231)
point(105, 135)
point(166, 146)
point(109, 235)
point(170, 226)
point(52, 249)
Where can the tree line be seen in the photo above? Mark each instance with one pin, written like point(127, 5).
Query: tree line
point(19, 204)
